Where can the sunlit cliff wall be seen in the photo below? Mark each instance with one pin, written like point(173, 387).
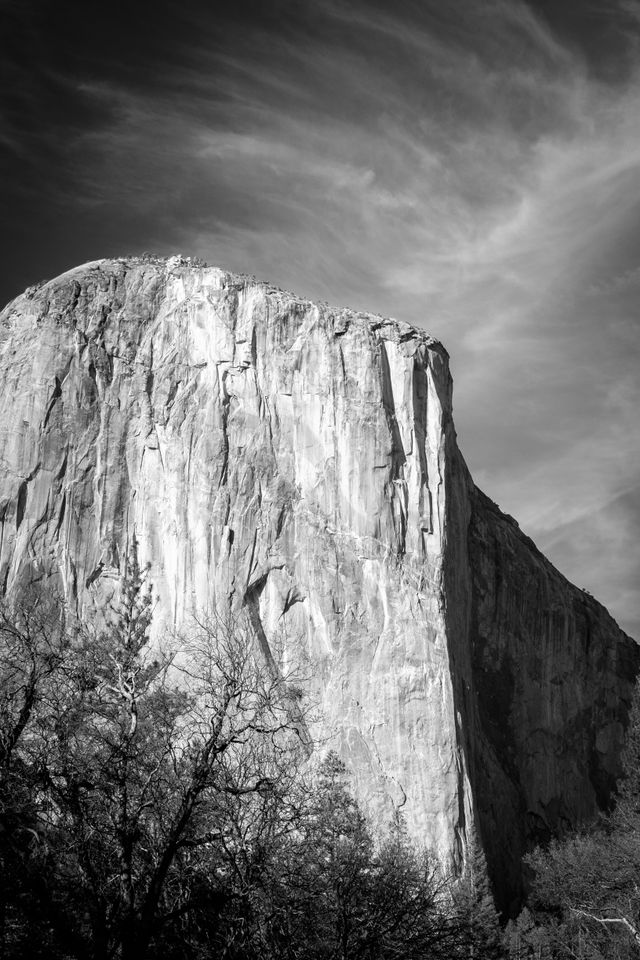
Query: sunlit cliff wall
point(300, 463)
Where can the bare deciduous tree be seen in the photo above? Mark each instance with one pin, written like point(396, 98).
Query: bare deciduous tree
point(151, 778)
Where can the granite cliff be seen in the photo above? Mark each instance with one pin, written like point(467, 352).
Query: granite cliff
point(299, 464)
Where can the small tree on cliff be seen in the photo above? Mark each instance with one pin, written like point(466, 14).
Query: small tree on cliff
point(137, 785)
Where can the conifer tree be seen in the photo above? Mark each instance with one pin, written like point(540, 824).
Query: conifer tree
point(476, 907)
point(337, 895)
point(323, 894)
point(525, 940)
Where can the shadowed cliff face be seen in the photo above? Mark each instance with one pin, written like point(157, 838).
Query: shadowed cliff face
point(299, 464)
point(544, 678)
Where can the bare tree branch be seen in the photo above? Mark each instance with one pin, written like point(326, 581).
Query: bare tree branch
point(607, 920)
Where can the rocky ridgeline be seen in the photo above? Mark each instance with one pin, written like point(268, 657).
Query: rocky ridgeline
point(299, 463)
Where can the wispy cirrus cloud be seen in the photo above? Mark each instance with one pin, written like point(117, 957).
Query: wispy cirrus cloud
point(468, 167)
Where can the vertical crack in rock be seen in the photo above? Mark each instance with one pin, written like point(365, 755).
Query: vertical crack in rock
point(21, 503)
point(224, 423)
point(93, 576)
point(421, 413)
point(3, 515)
point(55, 396)
point(397, 485)
point(60, 521)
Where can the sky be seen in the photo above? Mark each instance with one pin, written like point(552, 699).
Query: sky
point(470, 167)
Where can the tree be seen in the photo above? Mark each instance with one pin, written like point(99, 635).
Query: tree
point(33, 645)
point(586, 887)
point(476, 907)
point(331, 893)
point(146, 778)
point(314, 907)
point(410, 910)
point(525, 939)
point(585, 892)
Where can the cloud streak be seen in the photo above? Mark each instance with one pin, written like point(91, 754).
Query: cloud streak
point(467, 167)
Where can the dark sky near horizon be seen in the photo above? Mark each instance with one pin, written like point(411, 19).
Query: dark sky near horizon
point(472, 168)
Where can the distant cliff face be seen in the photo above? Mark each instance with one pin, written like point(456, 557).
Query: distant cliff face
point(300, 463)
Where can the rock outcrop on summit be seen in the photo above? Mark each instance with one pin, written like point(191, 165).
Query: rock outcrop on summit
point(298, 464)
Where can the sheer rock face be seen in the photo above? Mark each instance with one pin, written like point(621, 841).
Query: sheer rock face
point(300, 463)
